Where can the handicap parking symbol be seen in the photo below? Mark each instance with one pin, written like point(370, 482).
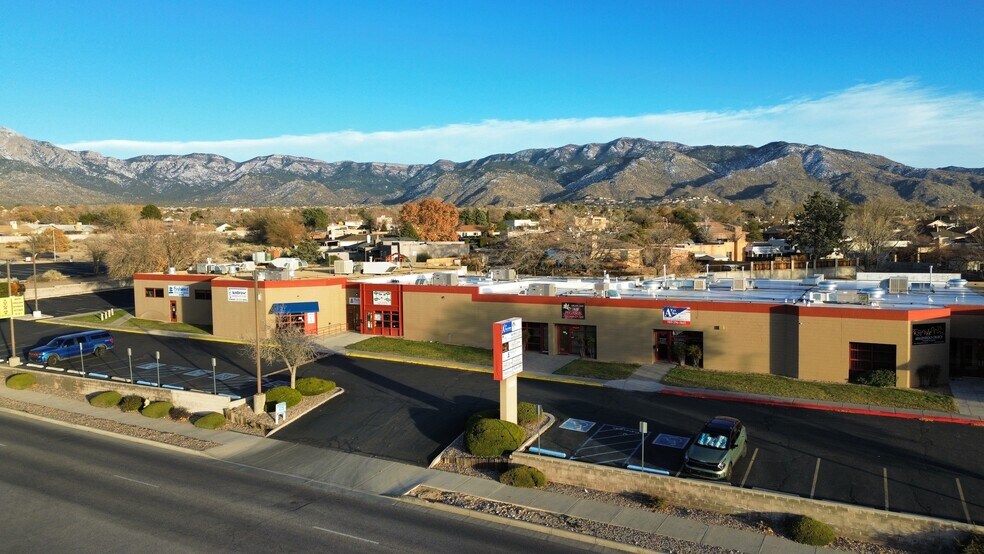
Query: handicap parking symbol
point(578, 425)
point(672, 441)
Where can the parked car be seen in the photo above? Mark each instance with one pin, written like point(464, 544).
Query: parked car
point(64, 347)
point(717, 448)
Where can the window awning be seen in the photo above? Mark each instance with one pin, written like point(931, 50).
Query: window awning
point(290, 308)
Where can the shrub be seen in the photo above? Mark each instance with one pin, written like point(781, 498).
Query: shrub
point(526, 413)
point(973, 544)
point(178, 413)
point(484, 414)
point(806, 530)
point(493, 437)
point(281, 394)
point(108, 399)
point(313, 386)
point(21, 381)
point(523, 476)
point(878, 378)
point(157, 410)
point(131, 403)
point(211, 420)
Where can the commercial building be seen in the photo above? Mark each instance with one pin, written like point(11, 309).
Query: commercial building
point(812, 329)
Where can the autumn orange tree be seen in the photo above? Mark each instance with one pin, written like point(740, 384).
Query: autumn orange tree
point(430, 220)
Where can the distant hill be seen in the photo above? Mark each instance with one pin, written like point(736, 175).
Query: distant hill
point(624, 170)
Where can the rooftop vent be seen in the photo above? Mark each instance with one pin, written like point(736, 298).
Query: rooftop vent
point(827, 286)
point(956, 283)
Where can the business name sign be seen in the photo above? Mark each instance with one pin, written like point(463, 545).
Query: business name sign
point(237, 295)
point(382, 298)
point(12, 306)
point(928, 333)
point(673, 315)
point(183, 291)
point(570, 310)
point(507, 348)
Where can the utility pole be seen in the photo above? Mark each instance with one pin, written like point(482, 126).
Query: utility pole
point(260, 399)
point(34, 264)
point(14, 359)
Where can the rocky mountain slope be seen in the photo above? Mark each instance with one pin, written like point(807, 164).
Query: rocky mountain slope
point(624, 170)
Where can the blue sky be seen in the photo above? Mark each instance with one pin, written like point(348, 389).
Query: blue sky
point(414, 82)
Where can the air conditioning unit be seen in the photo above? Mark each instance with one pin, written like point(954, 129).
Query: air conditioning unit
point(542, 289)
point(446, 279)
point(504, 274)
point(739, 284)
point(700, 284)
point(898, 285)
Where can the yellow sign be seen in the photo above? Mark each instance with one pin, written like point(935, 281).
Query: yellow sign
point(11, 306)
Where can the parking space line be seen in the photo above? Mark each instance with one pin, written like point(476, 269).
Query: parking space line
point(816, 473)
point(963, 501)
point(749, 468)
point(885, 475)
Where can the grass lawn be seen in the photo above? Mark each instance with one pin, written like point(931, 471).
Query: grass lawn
point(166, 326)
point(597, 370)
point(425, 350)
point(794, 388)
point(94, 318)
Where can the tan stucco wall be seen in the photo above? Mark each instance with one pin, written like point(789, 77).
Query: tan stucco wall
point(237, 320)
point(190, 310)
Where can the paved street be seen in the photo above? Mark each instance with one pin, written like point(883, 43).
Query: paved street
point(71, 491)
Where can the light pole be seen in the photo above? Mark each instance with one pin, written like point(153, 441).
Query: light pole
point(157, 355)
point(82, 359)
point(643, 429)
point(539, 414)
point(14, 360)
point(34, 264)
point(259, 400)
point(129, 359)
point(214, 389)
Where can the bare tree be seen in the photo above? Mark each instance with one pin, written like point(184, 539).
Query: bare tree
point(154, 246)
point(287, 344)
point(871, 226)
point(98, 247)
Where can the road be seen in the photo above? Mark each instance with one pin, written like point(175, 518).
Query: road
point(411, 412)
point(66, 490)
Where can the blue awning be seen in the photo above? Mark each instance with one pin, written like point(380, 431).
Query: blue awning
point(290, 308)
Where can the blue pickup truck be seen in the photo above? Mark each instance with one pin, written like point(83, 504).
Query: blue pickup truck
point(64, 347)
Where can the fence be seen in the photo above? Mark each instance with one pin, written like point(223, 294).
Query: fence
point(332, 329)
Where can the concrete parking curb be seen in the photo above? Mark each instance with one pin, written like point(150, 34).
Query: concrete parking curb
point(474, 514)
point(794, 403)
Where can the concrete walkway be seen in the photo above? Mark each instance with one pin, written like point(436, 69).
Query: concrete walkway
point(969, 392)
point(330, 468)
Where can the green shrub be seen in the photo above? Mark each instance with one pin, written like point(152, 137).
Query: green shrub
point(131, 403)
point(492, 413)
point(493, 437)
point(281, 394)
point(523, 476)
point(178, 413)
point(157, 410)
point(313, 386)
point(806, 530)
point(526, 413)
point(21, 381)
point(211, 420)
point(878, 378)
point(108, 399)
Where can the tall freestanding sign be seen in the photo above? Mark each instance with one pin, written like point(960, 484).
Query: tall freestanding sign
point(507, 363)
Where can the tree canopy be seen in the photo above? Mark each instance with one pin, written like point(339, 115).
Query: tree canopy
point(430, 219)
point(819, 227)
point(151, 211)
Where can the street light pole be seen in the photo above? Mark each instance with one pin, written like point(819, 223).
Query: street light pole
point(34, 264)
point(215, 390)
point(259, 400)
point(14, 359)
point(157, 355)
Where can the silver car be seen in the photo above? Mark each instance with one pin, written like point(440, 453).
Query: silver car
point(717, 448)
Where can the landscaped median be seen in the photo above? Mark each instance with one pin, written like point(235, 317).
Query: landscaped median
point(137, 323)
point(772, 385)
point(425, 350)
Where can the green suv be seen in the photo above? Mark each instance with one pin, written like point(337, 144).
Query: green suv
point(717, 448)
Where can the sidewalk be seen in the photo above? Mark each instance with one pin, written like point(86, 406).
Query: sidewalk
point(330, 468)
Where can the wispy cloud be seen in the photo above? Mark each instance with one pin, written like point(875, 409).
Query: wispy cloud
point(901, 120)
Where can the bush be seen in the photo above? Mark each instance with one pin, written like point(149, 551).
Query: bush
point(523, 476)
point(973, 544)
point(313, 386)
point(526, 413)
point(131, 403)
point(878, 378)
point(21, 381)
point(492, 413)
point(806, 530)
point(281, 394)
point(108, 399)
point(493, 437)
point(211, 420)
point(157, 410)
point(179, 414)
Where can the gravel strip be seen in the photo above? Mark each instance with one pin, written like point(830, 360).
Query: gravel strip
point(104, 424)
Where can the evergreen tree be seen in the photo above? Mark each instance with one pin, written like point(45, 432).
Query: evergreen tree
point(819, 227)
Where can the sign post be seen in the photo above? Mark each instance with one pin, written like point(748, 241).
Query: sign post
point(281, 413)
point(507, 363)
point(643, 429)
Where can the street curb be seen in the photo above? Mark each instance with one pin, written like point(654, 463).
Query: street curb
point(501, 520)
point(338, 391)
point(823, 408)
point(145, 442)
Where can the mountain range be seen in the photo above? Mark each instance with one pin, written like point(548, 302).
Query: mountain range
point(623, 170)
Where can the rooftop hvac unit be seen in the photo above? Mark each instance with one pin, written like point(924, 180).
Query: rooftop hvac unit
point(446, 279)
point(898, 285)
point(504, 274)
point(813, 279)
point(542, 289)
point(344, 267)
point(700, 284)
point(739, 284)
